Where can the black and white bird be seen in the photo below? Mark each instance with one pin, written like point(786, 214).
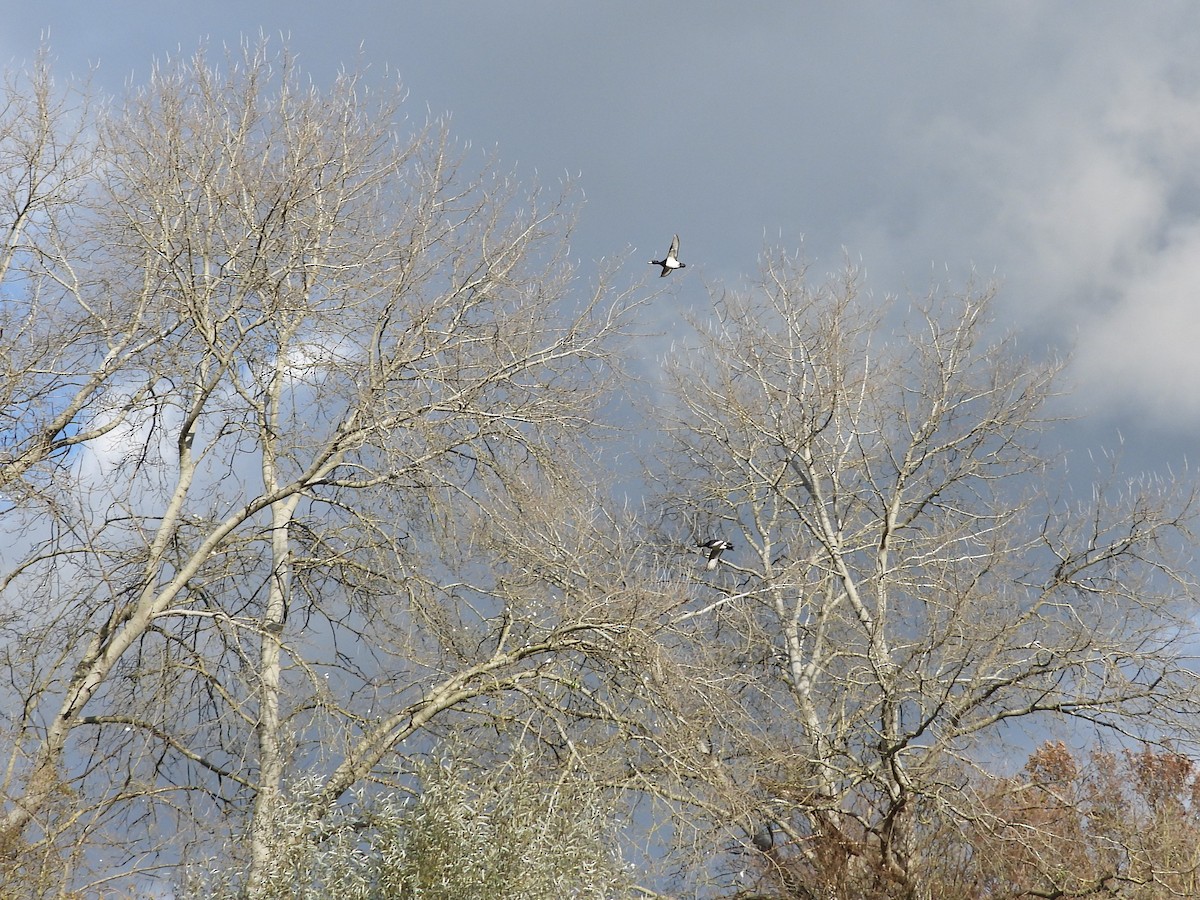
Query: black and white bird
point(715, 548)
point(671, 260)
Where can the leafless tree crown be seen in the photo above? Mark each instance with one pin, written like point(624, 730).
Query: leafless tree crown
point(310, 565)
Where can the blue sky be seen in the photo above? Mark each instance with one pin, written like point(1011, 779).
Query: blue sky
point(1051, 145)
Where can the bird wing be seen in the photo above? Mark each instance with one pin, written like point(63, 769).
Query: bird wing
point(674, 251)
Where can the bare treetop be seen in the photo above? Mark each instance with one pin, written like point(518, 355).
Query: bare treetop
point(911, 590)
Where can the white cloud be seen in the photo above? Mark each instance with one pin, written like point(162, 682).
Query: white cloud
point(103, 466)
point(1113, 244)
point(1076, 182)
point(1142, 351)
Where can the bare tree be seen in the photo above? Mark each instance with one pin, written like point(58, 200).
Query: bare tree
point(276, 361)
point(299, 419)
point(45, 169)
point(908, 588)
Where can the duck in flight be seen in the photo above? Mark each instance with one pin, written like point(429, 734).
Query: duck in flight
point(715, 548)
point(671, 260)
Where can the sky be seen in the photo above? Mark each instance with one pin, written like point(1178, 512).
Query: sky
point(1053, 147)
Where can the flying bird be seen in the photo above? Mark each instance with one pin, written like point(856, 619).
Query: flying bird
point(671, 260)
point(715, 548)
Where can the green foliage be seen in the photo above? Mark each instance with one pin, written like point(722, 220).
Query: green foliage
point(502, 835)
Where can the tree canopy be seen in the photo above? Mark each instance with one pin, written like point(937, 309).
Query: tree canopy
point(316, 580)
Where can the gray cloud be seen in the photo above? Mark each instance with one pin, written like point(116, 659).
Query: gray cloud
point(1052, 145)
